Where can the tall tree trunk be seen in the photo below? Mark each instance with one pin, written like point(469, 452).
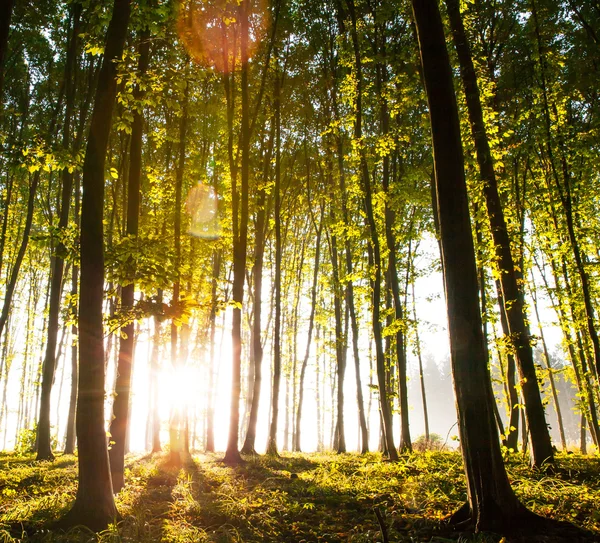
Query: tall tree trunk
point(6, 10)
point(319, 383)
point(154, 370)
point(259, 251)
point(210, 415)
point(272, 439)
point(44, 449)
point(70, 434)
point(561, 428)
point(311, 320)
point(340, 437)
point(492, 504)
point(513, 300)
point(386, 414)
point(364, 433)
point(94, 504)
point(514, 406)
point(240, 243)
point(566, 198)
point(176, 416)
point(419, 357)
point(119, 425)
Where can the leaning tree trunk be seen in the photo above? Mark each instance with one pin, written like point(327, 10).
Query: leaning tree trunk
point(541, 444)
point(492, 505)
point(561, 427)
point(120, 422)
point(94, 504)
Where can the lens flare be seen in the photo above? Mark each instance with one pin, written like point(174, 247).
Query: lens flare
point(210, 30)
point(201, 206)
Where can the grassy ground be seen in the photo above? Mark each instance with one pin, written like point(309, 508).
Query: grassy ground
point(295, 498)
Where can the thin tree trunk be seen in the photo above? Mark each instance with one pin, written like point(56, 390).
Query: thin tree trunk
point(386, 413)
point(154, 370)
point(339, 438)
point(582, 434)
point(176, 417)
point(272, 439)
point(259, 251)
point(318, 385)
point(14, 275)
point(210, 417)
point(420, 359)
point(70, 435)
point(44, 449)
point(311, 321)
point(561, 428)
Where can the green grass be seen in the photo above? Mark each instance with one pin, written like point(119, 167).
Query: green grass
point(295, 498)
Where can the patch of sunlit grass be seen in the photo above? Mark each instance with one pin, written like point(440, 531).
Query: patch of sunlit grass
point(293, 498)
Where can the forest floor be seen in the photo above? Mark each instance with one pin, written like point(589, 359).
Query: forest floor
point(295, 498)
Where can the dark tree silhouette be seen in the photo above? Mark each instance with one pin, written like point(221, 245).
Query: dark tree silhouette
point(94, 505)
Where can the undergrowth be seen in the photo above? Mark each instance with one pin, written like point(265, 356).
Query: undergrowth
point(300, 498)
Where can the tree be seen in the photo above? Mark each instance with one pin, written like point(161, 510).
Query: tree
point(272, 439)
point(513, 298)
point(239, 209)
point(94, 504)
point(120, 421)
point(492, 505)
point(386, 415)
point(44, 450)
point(6, 12)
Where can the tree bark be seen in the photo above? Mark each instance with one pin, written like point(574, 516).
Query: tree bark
point(492, 504)
point(94, 504)
point(6, 9)
point(240, 243)
point(120, 422)
point(70, 433)
point(513, 300)
point(386, 414)
point(272, 439)
point(176, 438)
point(44, 449)
point(259, 250)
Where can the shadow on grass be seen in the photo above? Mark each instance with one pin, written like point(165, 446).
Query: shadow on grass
point(269, 499)
point(146, 515)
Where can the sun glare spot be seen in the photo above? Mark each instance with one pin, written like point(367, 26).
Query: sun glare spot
point(177, 386)
point(201, 206)
point(211, 32)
